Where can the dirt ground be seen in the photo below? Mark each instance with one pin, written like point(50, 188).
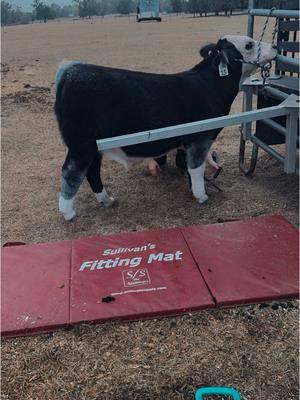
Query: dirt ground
point(252, 348)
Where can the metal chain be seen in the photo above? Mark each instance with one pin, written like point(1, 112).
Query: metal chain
point(265, 73)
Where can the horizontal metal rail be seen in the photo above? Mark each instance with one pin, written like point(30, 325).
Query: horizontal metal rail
point(289, 25)
point(267, 149)
point(287, 64)
point(293, 62)
point(277, 94)
point(264, 12)
point(274, 125)
point(291, 47)
point(192, 127)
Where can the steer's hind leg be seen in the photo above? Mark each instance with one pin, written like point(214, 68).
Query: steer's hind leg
point(94, 178)
point(196, 162)
point(73, 173)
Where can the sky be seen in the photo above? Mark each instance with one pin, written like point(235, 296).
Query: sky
point(27, 4)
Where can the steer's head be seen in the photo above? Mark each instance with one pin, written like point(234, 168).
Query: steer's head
point(231, 51)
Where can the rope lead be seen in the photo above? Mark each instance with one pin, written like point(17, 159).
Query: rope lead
point(265, 69)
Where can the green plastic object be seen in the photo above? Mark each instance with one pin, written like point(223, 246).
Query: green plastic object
point(214, 390)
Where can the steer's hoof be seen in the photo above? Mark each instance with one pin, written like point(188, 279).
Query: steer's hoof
point(202, 199)
point(104, 199)
point(108, 202)
point(69, 216)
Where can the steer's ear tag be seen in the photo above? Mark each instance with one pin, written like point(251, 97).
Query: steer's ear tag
point(223, 70)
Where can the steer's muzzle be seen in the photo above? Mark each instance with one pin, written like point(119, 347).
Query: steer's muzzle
point(268, 53)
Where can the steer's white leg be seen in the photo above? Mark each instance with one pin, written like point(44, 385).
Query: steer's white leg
point(66, 208)
point(104, 198)
point(197, 178)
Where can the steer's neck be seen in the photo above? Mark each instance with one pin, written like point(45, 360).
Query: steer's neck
point(229, 88)
point(225, 87)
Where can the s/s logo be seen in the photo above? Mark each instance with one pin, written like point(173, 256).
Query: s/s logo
point(136, 277)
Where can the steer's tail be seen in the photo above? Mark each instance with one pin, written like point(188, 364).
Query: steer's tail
point(60, 77)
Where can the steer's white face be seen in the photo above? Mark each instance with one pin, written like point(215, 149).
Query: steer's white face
point(248, 48)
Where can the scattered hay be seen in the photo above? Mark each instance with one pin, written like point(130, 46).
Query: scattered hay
point(4, 68)
point(36, 97)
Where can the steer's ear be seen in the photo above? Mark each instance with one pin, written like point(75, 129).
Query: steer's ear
point(208, 50)
point(220, 58)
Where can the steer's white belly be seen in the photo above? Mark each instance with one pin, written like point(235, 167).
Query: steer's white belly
point(121, 157)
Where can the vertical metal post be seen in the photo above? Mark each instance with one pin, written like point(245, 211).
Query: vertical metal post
point(250, 24)
point(248, 93)
point(246, 133)
point(246, 128)
point(247, 106)
point(291, 142)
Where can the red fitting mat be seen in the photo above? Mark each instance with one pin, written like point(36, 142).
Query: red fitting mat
point(134, 275)
point(35, 287)
point(247, 261)
point(146, 274)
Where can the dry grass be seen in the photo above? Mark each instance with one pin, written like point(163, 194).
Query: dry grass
point(251, 348)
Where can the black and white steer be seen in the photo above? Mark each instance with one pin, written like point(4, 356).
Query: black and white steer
point(95, 102)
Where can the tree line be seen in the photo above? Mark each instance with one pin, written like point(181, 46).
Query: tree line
point(205, 7)
point(13, 15)
point(87, 8)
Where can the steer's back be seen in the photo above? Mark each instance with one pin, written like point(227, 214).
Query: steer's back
point(107, 102)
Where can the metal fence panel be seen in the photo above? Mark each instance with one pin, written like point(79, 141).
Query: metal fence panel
point(261, 12)
point(193, 127)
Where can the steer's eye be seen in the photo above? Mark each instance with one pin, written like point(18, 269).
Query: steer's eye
point(249, 46)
